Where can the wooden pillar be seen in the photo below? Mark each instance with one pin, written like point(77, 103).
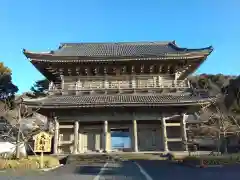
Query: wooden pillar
point(56, 136)
point(51, 88)
point(164, 135)
point(159, 81)
point(133, 78)
point(105, 135)
point(175, 80)
point(184, 132)
point(80, 138)
point(76, 130)
point(135, 136)
point(63, 89)
point(62, 82)
point(78, 87)
point(133, 82)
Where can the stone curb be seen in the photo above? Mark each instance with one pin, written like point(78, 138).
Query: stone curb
point(208, 166)
point(201, 166)
point(50, 169)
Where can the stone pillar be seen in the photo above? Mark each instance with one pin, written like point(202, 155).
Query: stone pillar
point(56, 136)
point(135, 136)
point(184, 132)
point(164, 135)
point(76, 129)
point(105, 135)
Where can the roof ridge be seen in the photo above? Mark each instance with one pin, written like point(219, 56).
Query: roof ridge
point(120, 42)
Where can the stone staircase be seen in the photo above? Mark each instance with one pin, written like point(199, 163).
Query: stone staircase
point(88, 158)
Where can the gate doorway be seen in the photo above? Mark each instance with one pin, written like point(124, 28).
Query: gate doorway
point(120, 139)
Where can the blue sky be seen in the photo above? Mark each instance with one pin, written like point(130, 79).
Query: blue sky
point(40, 25)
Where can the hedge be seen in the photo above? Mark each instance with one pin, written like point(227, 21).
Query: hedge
point(212, 160)
point(32, 162)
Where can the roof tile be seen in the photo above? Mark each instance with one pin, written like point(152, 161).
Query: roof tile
point(115, 100)
point(120, 49)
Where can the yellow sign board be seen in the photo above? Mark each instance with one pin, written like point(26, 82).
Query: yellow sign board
point(42, 142)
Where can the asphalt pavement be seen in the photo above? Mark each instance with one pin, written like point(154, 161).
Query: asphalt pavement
point(109, 170)
point(129, 170)
point(165, 170)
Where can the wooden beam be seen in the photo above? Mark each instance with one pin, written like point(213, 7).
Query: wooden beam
point(69, 71)
point(151, 68)
point(142, 68)
point(61, 71)
point(77, 70)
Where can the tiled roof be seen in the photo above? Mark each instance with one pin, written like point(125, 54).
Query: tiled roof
point(115, 100)
point(120, 49)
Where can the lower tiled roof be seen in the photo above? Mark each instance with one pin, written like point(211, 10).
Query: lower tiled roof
point(116, 100)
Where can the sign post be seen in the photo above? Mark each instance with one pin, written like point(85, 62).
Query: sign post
point(42, 143)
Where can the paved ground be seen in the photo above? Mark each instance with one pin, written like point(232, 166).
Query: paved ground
point(164, 170)
point(141, 170)
point(94, 171)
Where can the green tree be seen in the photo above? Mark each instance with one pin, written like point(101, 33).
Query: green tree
point(39, 88)
point(7, 88)
point(232, 93)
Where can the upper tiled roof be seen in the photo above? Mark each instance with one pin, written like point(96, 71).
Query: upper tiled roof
point(116, 100)
point(121, 49)
point(117, 49)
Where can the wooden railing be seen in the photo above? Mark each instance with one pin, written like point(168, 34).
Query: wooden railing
point(92, 85)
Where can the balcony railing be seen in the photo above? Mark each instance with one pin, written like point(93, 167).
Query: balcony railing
point(119, 85)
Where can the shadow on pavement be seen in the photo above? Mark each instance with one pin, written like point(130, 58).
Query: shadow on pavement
point(63, 160)
point(94, 170)
point(124, 170)
point(159, 169)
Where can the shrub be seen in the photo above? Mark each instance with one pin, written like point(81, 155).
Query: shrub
point(48, 161)
point(32, 162)
point(11, 155)
point(212, 160)
point(3, 163)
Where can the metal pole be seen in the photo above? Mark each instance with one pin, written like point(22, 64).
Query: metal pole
point(41, 160)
